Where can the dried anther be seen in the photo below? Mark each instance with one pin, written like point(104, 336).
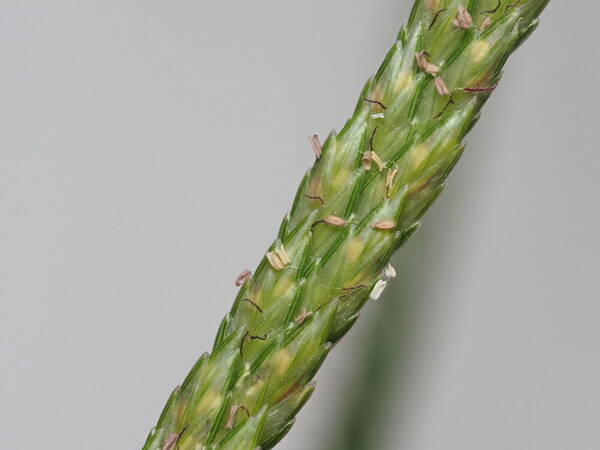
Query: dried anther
point(389, 182)
point(315, 143)
point(367, 161)
point(304, 314)
point(243, 277)
point(279, 258)
point(172, 440)
point(336, 221)
point(232, 413)
point(463, 18)
point(283, 256)
point(333, 221)
point(384, 225)
point(441, 87)
point(275, 261)
point(487, 22)
point(376, 159)
point(425, 65)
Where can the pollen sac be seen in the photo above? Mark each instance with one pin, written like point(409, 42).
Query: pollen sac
point(243, 277)
point(378, 290)
point(441, 86)
point(389, 182)
point(336, 221)
point(279, 259)
point(388, 273)
point(380, 164)
point(425, 65)
point(384, 225)
point(367, 161)
point(315, 143)
point(463, 18)
point(487, 22)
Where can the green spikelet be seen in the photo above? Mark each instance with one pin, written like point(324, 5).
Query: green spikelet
point(362, 199)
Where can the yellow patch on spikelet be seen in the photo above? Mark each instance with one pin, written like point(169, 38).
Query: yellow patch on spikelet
point(209, 402)
point(418, 155)
point(479, 50)
point(283, 287)
point(340, 179)
point(404, 80)
point(253, 390)
point(282, 361)
point(354, 249)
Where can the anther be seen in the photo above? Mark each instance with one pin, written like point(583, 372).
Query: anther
point(232, 413)
point(389, 272)
point(279, 258)
point(378, 290)
point(441, 86)
point(243, 277)
point(173, 439)
point(304, 314)
point(487, 22)
point(384, 225)
point(171, 442)
point(367, 161)
point(283, 255)
point(425, 65)
point(463, 18)
point(336, 221)
point(389, 182)
point(377, 160)
point(333, 221)
point(315, 143)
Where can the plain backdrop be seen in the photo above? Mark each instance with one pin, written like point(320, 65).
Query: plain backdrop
point(148, 150)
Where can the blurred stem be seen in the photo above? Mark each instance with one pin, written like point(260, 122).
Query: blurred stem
point(387, 356)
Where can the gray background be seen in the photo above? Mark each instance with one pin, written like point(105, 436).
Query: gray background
point(150, 148)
